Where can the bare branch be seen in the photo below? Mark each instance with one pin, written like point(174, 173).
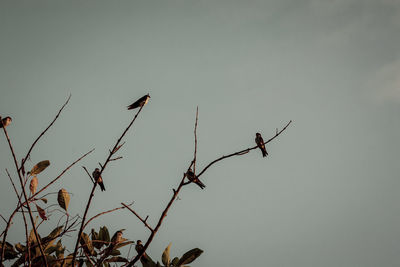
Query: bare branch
point(111, 153)
point(195, 141)
point(40, 136)
point(244, 151)
point(26, 199)
point(91, 179)
point(105, 212)
point(181, 184)
point(138, 216)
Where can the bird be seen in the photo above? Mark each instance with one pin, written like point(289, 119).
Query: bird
point(260, 144)
point(193, 178)
point(117, 238)
point(140, 102)
point(98, 179)
point(139, 248)
point(5, 122)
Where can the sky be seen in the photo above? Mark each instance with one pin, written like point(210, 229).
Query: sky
point(327, 194)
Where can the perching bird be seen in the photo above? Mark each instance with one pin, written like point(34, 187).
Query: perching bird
point(193, 178)
point(260, 144)
point(140, 102)
point(5, 122)
point(98, 179)
point(139, 248)
point(117, 238)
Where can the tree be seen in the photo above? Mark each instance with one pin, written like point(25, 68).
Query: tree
point(95, 248)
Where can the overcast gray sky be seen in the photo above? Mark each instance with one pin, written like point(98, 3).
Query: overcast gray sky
point(328, 193)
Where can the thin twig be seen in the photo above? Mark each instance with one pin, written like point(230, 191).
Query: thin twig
point(26, 198)
point(40, 136)
point(104, 212)
point(111, 153)
point(242, 152)
point(181, 184)
point(91, 179)
point(195, 141)
point(138, 216)
point(24, 218)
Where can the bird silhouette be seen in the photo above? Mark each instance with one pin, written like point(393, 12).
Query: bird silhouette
point(98, 179)
point(5, 122)
point(260, 144)
point(140, 102)
point(193, 178)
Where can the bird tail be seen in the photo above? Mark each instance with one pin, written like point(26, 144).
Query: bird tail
point(132, 106)
point(102, 187)
point(200, 184)
point(264, 152)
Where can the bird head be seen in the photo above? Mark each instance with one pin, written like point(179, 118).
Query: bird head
point(258, 134)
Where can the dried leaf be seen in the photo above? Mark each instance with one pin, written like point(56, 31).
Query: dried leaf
point(63, 199)
point(41, 212)
point(38, 168)
point(165, 256)
point(33, 185)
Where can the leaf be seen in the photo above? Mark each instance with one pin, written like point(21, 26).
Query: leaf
point(38, 168)
point(165, 256)
point(33, 185)
point(41, 212)
point(9, 252)
point(190, 256)
point(19, 247)
point(104, 235)
point(95, 239)
point(44, 200)
point(115, 252)
point(63, 199)
point(175, 261)
point(87, 244)
point(120, 245)
point(50, 249)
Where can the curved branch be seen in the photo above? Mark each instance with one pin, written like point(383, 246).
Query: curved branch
point(244, 151)
point(105, 212)
point(40, 136)
point(111, 153)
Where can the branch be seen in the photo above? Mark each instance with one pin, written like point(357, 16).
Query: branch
point(40, 136)
point(182, 183)
point(195, 141)
point(244, 151)
point(111, 153)
point(105, 212)
point(138, 216)
point(26, 198)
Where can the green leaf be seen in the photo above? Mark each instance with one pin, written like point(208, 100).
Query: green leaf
point(104, 235)
point(38, 168)
point(165, 256)
point(175, 261)
point(95, 239)
point(190, 256)
point(63, 199)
